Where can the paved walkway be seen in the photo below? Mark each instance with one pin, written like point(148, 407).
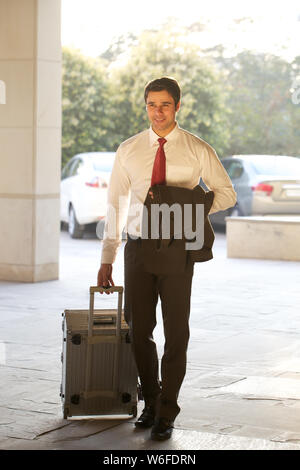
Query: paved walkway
point(242, 387)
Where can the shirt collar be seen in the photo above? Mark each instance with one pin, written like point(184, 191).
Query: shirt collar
point(171, 137)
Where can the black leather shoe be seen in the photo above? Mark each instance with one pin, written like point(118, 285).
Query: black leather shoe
point(162, 429)
point(146, 420)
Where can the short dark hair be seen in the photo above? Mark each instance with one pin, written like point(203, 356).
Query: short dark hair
point(165, 83)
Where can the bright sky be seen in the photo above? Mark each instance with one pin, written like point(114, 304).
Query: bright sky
point(91, 25)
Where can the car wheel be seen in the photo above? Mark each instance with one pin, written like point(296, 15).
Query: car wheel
point(75, 229)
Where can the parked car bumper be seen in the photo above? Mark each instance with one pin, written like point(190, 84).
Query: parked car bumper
point(264, 205)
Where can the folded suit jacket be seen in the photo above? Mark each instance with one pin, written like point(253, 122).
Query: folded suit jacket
point(170, 250)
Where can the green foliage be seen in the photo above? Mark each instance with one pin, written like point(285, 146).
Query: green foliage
point(86, 121)
point(241, 104)
point(263, 116)
point(160, 54)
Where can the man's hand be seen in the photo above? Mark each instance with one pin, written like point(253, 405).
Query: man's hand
point(104, 276)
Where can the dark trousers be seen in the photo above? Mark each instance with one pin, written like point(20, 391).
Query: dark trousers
point(142, 288)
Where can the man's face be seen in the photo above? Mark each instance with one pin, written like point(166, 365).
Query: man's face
point(161, 111)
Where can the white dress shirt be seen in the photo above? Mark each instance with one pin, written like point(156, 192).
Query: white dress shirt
point(188, 158)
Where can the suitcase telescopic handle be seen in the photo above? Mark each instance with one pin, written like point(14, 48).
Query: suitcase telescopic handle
point(112, 289)
point(106, 289)
point(87, 393)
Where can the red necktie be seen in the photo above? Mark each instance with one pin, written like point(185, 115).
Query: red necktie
point(159, 167)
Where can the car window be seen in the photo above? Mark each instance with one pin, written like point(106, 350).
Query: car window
point(234, 168)
point(226, 164)
point(66, 170)
point(75, 167)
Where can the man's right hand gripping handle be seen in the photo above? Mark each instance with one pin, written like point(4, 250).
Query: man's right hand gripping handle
point(105, 276)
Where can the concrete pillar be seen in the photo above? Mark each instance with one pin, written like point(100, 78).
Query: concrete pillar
point(30, 139)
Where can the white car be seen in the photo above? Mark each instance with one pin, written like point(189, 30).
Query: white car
point(84, 183)
point(265, 185)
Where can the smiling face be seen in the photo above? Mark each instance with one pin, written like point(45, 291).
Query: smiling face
point(161, 111)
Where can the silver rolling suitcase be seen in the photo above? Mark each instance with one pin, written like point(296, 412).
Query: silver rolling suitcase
point(99, 375)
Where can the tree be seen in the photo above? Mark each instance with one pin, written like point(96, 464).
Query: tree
point(164, 53)
point(263, 116)
point(295, 108)
point(86, 123)
point(241, 104)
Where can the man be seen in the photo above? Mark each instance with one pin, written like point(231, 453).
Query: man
point(163, 154)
